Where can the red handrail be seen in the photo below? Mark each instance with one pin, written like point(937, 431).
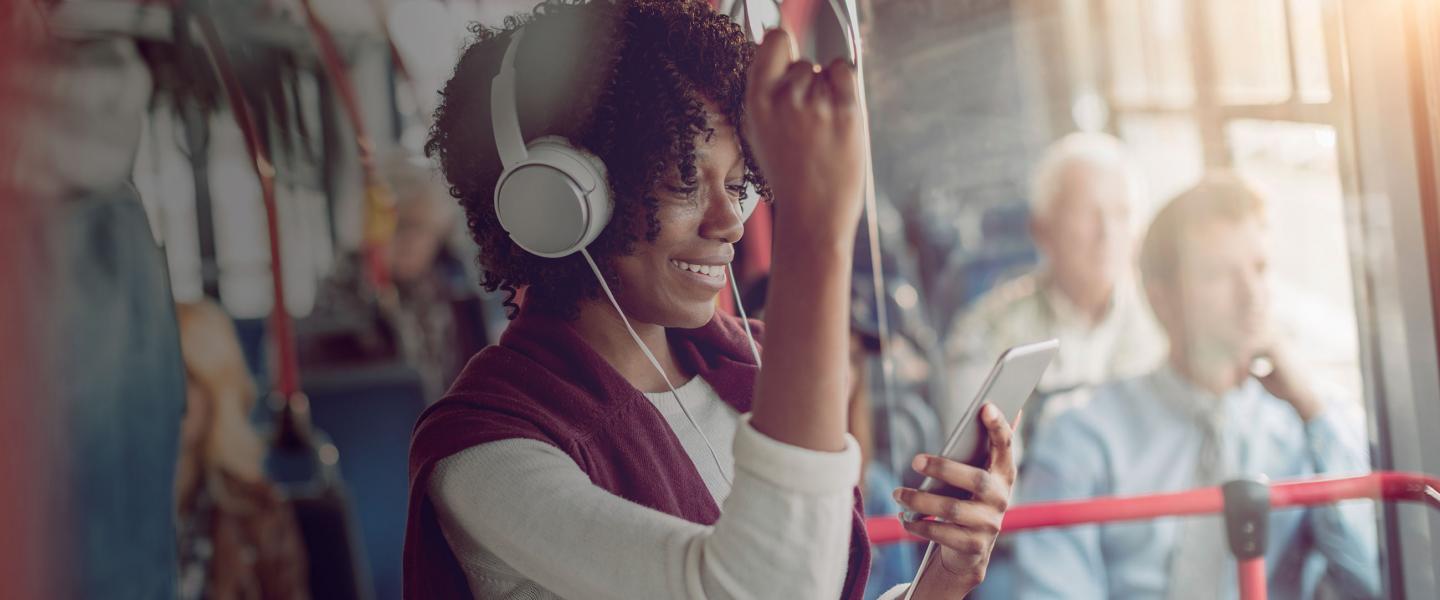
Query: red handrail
point(1385, 486)
point(1253, 582)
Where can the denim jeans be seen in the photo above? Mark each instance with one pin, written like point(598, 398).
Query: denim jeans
point(121, 390)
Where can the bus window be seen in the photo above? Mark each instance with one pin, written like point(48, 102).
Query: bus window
point(1279, 95)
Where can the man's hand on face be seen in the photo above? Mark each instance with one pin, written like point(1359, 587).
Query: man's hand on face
point(1287, 380)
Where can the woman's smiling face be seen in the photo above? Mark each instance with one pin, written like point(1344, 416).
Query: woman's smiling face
point(672, 281)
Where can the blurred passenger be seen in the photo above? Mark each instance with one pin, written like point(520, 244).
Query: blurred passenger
point(428, 257)
point(238, 536)
point(427, 218)
point(1082, 193)
point(109, 352)
point(1200, 420)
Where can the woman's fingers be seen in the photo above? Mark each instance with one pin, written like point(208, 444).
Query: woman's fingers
point(844, 86)
point(986, 486)
point(776, 74)
point(819, 96)
point(795, 84)
point(1002, 458)
point(801, 123)
point(991, 485)
point(968, 543)
point(771, 60)
point(963, 513)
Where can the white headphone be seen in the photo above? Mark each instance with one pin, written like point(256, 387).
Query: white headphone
point(553, 199)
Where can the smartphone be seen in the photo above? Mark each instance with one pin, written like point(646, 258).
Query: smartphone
point(1009, 385)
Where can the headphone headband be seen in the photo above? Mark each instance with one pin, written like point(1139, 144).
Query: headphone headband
point(504, 117)
point(753, 28)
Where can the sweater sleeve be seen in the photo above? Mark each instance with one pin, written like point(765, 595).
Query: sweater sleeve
point(784, 530)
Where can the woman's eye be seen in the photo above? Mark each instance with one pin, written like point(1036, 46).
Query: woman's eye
point(738, 189)
point(684, 191)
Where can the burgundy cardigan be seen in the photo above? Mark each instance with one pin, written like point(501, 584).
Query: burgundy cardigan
point(543, 382)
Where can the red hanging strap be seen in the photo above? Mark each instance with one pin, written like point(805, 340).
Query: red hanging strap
point(380, 219)
point(288, 379)
point(340, 78)
point(797, 16)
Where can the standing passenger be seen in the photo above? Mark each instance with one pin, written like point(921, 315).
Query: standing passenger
point(112, 359)
point(562, 462)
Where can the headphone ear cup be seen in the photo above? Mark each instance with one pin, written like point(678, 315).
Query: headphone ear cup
point(751, 201)
point(555, 202)
point(589, 174)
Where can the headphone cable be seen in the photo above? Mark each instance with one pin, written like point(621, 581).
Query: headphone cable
point(656, 363)
point(744, 320)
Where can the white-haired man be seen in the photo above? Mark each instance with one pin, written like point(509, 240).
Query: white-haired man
point(1082, 193)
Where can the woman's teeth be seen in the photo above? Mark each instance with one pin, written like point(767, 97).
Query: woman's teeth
point(706, 270)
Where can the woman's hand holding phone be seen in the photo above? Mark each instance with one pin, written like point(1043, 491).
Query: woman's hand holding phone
point(965, 530)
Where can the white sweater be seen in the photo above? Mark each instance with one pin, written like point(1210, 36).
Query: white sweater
point(525, 522)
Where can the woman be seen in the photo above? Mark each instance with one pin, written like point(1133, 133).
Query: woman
point(559, 465)
point(238, 536)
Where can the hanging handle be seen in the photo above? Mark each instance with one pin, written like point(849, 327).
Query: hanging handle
point(293, 425)
point(380, 219)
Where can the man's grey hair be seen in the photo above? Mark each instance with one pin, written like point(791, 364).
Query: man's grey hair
point(1099, 151)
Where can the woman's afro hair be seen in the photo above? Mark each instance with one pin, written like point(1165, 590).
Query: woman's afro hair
point(624, 80)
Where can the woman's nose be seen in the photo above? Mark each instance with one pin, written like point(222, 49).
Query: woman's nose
point(722, 217)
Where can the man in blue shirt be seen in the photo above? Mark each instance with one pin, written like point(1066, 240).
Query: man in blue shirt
point(1200, 420)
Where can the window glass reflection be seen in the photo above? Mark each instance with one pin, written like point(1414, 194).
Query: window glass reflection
point(1236, 254)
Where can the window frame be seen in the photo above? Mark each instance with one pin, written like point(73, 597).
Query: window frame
point(1393, 89)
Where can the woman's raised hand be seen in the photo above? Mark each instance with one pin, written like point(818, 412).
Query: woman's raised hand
point(805, 127)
